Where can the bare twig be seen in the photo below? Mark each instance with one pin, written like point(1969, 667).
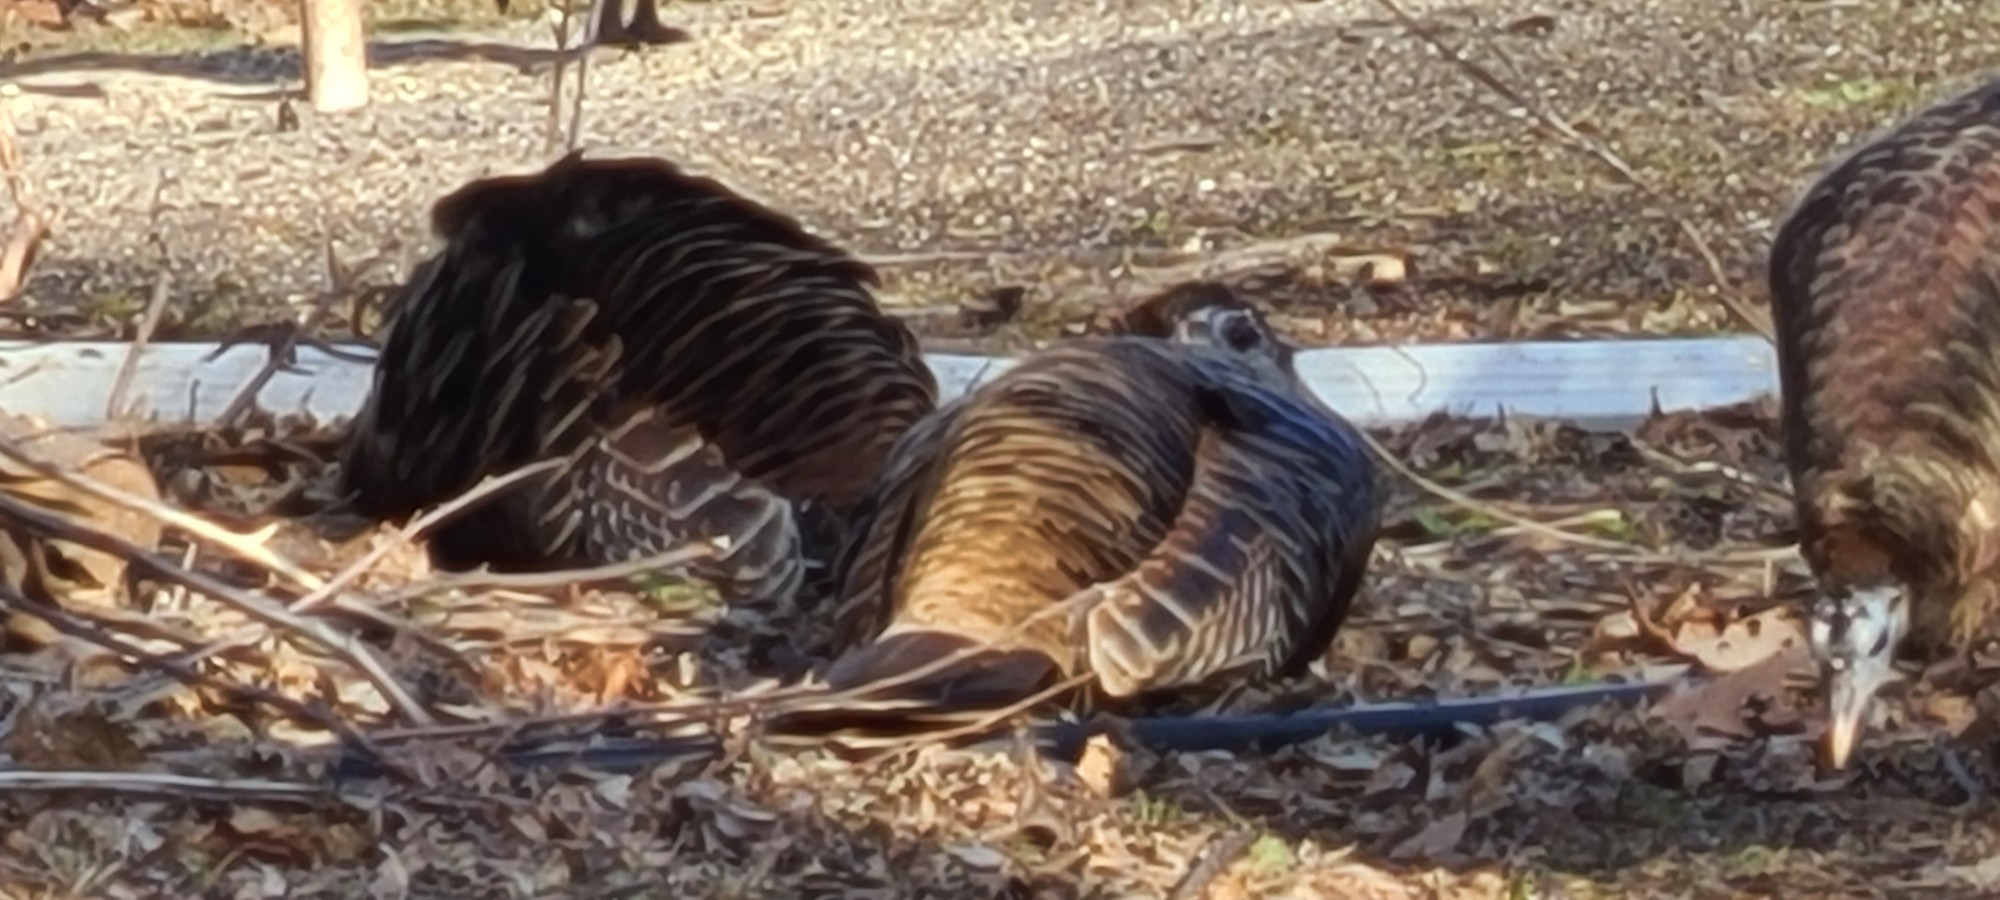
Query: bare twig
point(1591, 147)
point(163, 784)
point(1524, 523)
point(343, 647)
point(25, 235)
point(575, 131)
point(893, 260)
point(95, 630)
point(483, 578)
point(1221, 852)
point(10, 156)
point(17, 256)
point(770, 702)
point(330, 589)
point(562, 30)
point(408, 534)
point(249, 548)
point(156, 305)
point(283, 352)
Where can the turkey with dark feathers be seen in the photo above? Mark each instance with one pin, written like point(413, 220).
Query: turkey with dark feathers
point(1198, 516)
point(1885, 290)
point(704, 369)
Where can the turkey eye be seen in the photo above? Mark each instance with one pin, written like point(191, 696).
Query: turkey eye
point(1239, 333)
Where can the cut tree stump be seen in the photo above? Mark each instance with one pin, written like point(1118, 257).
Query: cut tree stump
point(336, 54)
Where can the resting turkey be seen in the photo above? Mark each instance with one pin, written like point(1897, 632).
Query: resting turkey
point(1885, 289)
point(1195, 511)
point(703, 369)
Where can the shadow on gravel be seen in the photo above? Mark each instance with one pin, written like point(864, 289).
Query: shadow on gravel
point(247, 65)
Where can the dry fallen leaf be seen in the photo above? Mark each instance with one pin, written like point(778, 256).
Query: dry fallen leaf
point(392, 877)
point(253, 820)
point(978, 856)
point(1745, 642)
point(1436, 839)
point(1098, 767)
point(1716, 705)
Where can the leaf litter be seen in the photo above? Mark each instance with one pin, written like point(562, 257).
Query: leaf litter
point(106, 761)
point(1565, 555)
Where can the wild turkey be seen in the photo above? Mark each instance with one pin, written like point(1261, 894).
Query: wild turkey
point(1201, 312)
point(1885, 289)
point(703, 367)
point(1208, 515)
point(49, 569)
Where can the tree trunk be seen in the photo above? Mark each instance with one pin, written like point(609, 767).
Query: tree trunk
point(336, 55)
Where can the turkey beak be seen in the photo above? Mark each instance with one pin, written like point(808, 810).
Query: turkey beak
point(1855, 639)
point(1847, 696)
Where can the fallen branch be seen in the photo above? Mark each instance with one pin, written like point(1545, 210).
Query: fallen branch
point(487, 579)
point(156, 306)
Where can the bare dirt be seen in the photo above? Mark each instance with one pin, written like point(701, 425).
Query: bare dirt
point(1074, 150)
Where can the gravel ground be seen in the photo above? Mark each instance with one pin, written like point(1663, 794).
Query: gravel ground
point(1077, 150)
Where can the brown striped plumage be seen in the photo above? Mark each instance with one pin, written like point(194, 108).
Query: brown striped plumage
point(705, 367)
point(1207, 515)
point(1885, 289)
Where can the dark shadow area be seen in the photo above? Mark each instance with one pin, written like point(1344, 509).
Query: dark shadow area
point(283, 64)
point(247, 64)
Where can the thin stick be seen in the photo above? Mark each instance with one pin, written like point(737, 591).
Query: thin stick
point(330, 589)
point(10, 157)
point(283, 353)
point(590, 39)
point(1590, 147)
point(553, 126)
point(1222, 852)
point(160, 783)
point(487, 487)
point(408, 534)
point(155, 306)
point(1523, 522)
point(344, 648)
point(114, 405)
point(775, 702)
point(488, 579)
point(247, 547)
point(93, 630)
point(985, 721)
point(24, 236)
